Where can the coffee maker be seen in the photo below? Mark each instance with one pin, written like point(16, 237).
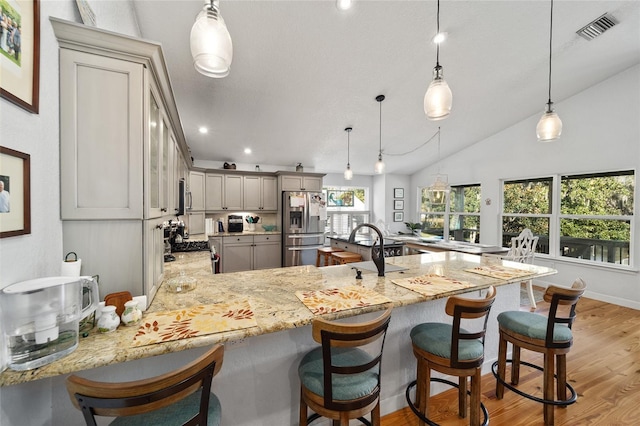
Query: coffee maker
point(235, 223)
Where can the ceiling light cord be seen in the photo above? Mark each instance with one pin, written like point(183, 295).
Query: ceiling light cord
point(550, 47)
point(416, 148)
point(379, 166)
point(549, 127)
point(438, 32)
point(438, 98)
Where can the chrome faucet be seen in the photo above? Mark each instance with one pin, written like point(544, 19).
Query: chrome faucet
point(377, 258)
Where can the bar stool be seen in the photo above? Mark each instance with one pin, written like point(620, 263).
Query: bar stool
point(182, 396)
point(325, 254)
point(340, 379)
point(343, 257)
point(453, 350)
point(550, 335)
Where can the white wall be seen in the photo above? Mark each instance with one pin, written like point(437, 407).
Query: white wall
point(600, 133)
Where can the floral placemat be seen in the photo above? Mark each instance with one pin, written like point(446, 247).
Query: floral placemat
point(497, 271)
point(161, 327)
point(340, 299)
point(431, 284)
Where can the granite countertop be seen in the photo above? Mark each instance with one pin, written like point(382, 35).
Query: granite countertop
point(271, 293)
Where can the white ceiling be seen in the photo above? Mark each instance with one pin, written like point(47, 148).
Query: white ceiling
point(302, 71)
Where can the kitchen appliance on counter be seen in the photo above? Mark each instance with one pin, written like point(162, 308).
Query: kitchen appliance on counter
point(40, 318)
point(304, 215)
point(235, 223)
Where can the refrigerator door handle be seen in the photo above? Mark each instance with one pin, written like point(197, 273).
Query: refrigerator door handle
point(299, 236)
point(305, 248)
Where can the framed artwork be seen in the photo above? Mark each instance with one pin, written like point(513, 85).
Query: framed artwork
point(340, 198)
point(20, 52)
point(15, 193)
point(398, 192)
point(398, 216)
point(398, 205)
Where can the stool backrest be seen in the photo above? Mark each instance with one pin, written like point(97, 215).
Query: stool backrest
point(560, 297)
point(141, 396)
point(463, 308)
point(334, 335)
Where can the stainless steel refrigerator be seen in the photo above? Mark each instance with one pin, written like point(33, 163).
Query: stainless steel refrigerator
point(304, 215)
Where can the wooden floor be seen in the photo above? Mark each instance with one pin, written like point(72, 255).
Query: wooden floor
point(603, 367)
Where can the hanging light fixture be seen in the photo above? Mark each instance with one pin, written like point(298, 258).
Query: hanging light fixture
point(348, 173)
point(379, 167)
point(211, 46)
point(438, 99)
point(549, 127)
point(439, 189)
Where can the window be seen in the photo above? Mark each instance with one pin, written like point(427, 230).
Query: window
point(596, 212)
point(347, 207)
point(593, 221)
point(458, 220)
point(527, 204)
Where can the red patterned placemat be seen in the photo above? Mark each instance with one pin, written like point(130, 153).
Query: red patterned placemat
point(431, 284)
point(161, 327)
point(340, 299)
point(497, 271)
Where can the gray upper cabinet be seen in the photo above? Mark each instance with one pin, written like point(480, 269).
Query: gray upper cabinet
point(301, 182)
point(196, 194)
point(260, 193)
point(101, 137)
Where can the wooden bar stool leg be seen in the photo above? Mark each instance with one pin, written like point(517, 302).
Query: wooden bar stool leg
point(549, 370)
point(562, 377)
point(515, 365)
point(475, 398)
point(462, 396)
point(303, 411)
point(502, 366)
point(318, 254)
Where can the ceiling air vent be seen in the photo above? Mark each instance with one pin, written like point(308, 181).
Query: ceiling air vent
point(596, 27)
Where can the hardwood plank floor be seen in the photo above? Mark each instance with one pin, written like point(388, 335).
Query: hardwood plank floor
point(603, 366)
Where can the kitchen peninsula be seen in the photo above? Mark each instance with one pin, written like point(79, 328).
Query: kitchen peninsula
point(258, 379)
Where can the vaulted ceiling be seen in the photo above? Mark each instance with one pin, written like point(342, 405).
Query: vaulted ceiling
point(302, 71)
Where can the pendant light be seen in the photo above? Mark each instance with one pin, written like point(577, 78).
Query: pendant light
point(348, 173)
point(438, 99)
point(439, 189)
point(379, 167)
point(550, 126)
point(211, 46)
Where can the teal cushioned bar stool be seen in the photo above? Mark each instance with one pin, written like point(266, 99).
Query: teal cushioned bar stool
point(550, 335)
point(180, 397)
point(340, 380)
point(454, 350)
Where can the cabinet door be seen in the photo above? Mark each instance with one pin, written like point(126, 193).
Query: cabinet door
point(214, 190)
point(154, 256)
point(237, 256)
point(101, 137)
point(312, 183)
point(195, 222)
point(196, 191)
point(269, 193)
point(252, 192)
point(266, 251)
point(291, 183)
point(153, 157)
point(233, 192)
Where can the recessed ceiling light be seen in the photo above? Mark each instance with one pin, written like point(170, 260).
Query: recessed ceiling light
point(439, 38)
point(343, 4)
point(203, 130)
point(247, 150)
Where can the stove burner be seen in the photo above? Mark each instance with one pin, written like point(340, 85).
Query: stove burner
point(190, 246)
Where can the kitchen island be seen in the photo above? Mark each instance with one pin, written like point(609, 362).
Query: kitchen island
point(258, 383)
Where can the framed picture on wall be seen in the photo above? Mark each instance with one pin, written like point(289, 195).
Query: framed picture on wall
point(15, 193)
point(20, 53)
point(398, 192)
point(398, 205)
point(398, 216)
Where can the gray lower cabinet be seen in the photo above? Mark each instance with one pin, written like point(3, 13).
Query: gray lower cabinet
point(364, 251)
point(250, 252)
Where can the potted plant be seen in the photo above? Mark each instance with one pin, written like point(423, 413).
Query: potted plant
point(415, 228)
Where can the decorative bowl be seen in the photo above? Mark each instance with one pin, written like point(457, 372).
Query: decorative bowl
point(269, 228)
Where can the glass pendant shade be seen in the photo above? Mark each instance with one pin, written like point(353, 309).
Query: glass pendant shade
point(438, 190)
point(379, 167)
point(348, 173)
point(211, 46)
point(549, 127)
point(438, 99)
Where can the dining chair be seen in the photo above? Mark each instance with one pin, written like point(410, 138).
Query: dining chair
point(455, 349)
point(549, 335)
point(180, 397)
point(340, 379)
